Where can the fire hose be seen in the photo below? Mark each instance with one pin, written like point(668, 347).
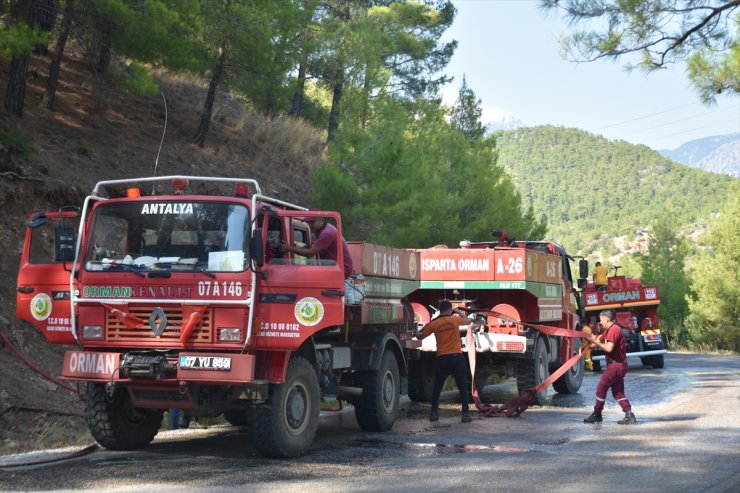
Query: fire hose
point(516, 406)
point(33, 367)
point(71, 455)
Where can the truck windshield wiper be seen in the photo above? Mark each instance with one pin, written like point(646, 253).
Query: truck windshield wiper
point(107, 266)
point(192, 267)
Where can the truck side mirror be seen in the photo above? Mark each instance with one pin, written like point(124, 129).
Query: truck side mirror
point(256, 250)
point(582, 283)
point(64, 243)
point(583, 268)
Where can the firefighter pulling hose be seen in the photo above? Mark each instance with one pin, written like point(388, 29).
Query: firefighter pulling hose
point(515, 407)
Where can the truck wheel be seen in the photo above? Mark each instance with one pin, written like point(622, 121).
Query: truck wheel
point(376, 410)
point(532, 372)
point(657, 361)
point(571, 380)
point(421, 378)
point(286, 424)
point(115, 423)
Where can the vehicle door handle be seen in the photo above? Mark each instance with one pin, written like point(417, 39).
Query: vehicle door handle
point(26, 289)
point(332, 292)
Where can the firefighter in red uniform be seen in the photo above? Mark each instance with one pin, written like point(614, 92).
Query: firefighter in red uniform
point(615, 349)
point(450, 360)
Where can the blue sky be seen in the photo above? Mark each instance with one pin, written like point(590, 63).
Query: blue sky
point(508, 52)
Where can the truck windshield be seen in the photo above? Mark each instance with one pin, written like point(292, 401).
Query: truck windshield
point(171, 236)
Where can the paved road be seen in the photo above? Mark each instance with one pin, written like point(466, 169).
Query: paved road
point(687, 440)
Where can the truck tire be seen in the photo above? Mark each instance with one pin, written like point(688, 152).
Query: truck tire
point(571, 380)
point(286, 424)
point(657, 361)
point(532, 372)
point(115, 423)
point(377, 409)
point(421, 378)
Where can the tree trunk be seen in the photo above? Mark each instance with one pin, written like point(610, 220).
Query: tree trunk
point(205, 116)
point(26, 11)
point(103, 58)
point(344, 16)
point(16, 92)
point(297, 106)
point(56, 61)
point(46, 14)
point(335, 101)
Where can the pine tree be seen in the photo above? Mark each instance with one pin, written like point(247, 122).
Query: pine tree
point(716, 276)
point(664, 265)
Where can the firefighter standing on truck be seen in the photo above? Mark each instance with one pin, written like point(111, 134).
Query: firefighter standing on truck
point(450, 360)
point(615, 349)
point(600, 277)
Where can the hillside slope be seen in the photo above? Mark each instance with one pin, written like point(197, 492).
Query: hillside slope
point(98, 132)
point(591, 189)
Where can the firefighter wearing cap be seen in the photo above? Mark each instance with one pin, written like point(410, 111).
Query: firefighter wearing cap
point(450, 360)
point(615, 349)
point(324, 245)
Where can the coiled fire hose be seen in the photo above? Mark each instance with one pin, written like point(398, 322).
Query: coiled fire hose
point(516, 406)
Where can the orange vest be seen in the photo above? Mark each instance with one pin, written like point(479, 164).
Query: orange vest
point(446, 329)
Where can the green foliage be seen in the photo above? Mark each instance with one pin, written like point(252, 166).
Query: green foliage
point(16, 143)
point(152, 31)
point(589, 188)
point(711, 73)
point(136, 79)
point(466, 114)
point(664, 265)
point(412, 180)
point(21, 39)
point(716, 275)
point(659, 33)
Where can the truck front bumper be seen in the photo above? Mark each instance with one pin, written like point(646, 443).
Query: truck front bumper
point(207, 368)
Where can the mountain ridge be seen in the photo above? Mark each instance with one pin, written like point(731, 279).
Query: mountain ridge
point(592, 190)
point(717, 154)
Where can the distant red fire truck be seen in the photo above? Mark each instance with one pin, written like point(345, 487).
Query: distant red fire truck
point(636, 311)
point(526, 282)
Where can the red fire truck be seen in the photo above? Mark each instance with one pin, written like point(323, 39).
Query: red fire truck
point(635, 310)
point(525, 281)
point(184, 301)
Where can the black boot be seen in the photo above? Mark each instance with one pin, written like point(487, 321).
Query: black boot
point(594, 418)
point(629, 419)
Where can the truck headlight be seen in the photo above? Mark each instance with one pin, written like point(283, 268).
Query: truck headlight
point(92, 332)
point(229, 334)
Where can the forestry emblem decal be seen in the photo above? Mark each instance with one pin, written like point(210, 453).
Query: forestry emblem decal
point(41, 306)
point(309, 311)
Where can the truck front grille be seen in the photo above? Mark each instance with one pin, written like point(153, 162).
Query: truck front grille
point(118, 332)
